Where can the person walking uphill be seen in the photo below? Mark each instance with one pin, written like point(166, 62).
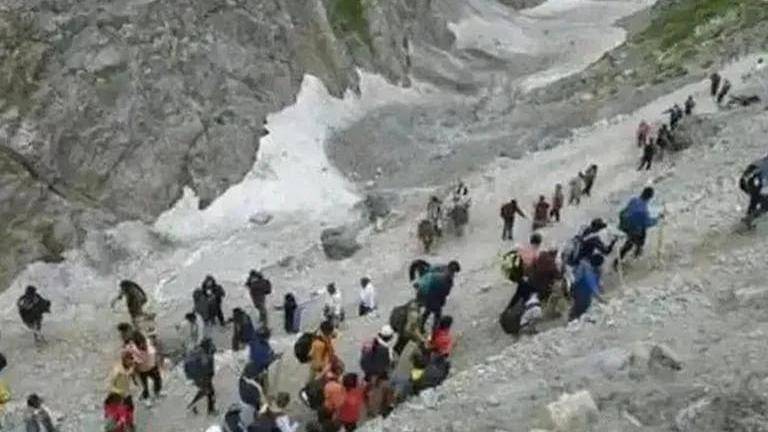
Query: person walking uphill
point(649, 150)
point(558, 200)
point(377, 356)
point(259, 288)
point(634, 220)
point(589, 177)
point(714, 80)
point(509, 212)
point(367, 297)
point(434, 289)
point(38, 419)
point(31, 307)
point(215, 294)
point(540, 213)
point(243, 330)
point(135, 299)
point(322, 352)
point(146, 365)
point(723, 91)
point(200, 367)
point(407, 326)
point(586, 286)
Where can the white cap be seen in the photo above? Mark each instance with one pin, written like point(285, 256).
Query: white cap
point(386, 331)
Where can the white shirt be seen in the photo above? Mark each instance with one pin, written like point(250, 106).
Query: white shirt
point(368, 296)
point(331, 301)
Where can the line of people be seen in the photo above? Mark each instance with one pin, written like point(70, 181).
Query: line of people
point(342, 399)
point(546, 212)
point(548, 281)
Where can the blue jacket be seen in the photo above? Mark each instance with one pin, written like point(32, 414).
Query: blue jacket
point(587, 282)
point(638, 217)
point(260, 354)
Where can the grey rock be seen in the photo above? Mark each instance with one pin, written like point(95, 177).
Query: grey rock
point(339, 242)
point(378, 205)
point(663, 357)
point(111, 109)
point(260, 218)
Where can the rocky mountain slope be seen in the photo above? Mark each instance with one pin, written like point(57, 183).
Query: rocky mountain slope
point(679, 345)
point(689, 302)
point(110, 109)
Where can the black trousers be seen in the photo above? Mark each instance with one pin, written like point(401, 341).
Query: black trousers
point(555, 214)
point(205, 390)
point(157, 382)
point(508, 232)
point(217, 313)
point(588, 187)
point(634, 241)
point(645, 163)
point(260, 303)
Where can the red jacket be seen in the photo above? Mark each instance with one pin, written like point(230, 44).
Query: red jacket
point(120, 415)
point(442, 342)
point(352, 408)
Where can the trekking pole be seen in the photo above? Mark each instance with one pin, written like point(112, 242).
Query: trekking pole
point(620, 269)
point(660, 238)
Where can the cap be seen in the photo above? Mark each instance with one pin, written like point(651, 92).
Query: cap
point(386, 331)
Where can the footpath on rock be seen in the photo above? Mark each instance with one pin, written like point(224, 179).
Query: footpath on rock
point(696, 305)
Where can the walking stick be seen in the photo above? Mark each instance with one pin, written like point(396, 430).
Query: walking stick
point(660, 238)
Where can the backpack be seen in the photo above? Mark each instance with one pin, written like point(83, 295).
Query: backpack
point(313, 394)
point(303, 346)
point(624, 223)
point(435, 373)
point(194, 365)
point(512, 266)
point(5, 394)
point(250, 394)
point(510, 318)
point(572, 249)
point(398, 318)
point(366, 355)
point(428, 282)
point(260, 287)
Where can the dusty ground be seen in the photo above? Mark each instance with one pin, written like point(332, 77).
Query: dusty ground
point(689, 303)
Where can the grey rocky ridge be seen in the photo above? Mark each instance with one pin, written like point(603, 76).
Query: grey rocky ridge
point(109, 110)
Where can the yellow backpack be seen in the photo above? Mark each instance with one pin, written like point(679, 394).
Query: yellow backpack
point(5, 394)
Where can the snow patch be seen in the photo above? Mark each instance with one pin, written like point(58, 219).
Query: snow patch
point(293, 173)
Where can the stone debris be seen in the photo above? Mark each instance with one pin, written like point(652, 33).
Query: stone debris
point(571, 413)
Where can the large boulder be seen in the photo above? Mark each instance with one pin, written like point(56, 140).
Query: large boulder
point(693, 130)
point(339, 242)
point(571, 413)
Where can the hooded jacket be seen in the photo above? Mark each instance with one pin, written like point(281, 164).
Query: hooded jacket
point(638, 217)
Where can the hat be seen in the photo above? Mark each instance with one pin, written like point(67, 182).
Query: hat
point(386, 331)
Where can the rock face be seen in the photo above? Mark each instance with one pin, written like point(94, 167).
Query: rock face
point(339, 243)
point(110, 109)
